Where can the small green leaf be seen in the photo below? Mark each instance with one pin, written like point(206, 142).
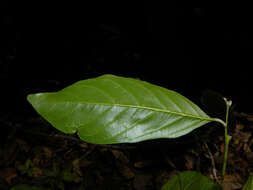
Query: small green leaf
point(111, 109)
point(190, 180)
point(28, 164)
point(249, 184)
point(66, 175)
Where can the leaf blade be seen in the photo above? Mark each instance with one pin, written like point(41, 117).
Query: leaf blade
point(111, 109)
point(190, 180)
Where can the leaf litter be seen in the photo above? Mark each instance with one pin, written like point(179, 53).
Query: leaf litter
point(36, 154)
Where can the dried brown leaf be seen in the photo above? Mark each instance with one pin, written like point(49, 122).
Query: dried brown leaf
point(8, 174)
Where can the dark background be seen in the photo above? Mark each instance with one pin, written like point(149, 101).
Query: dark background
point(46, 47)
point(183, 49)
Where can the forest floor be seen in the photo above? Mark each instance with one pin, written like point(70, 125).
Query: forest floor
point(38, 156)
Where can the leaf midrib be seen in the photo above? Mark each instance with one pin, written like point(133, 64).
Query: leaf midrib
point(143, 107)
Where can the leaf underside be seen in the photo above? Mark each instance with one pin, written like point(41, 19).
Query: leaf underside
point(111, 109)
point(190, 180)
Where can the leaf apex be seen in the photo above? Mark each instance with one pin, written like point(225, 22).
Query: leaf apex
point(30, 97)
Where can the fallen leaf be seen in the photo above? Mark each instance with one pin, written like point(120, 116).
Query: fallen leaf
point(37, 172)
point(127, 172)
point(189, 164)
point(231, 182)
point(84, 146)
point(119, 155)
point(8, 174)
point(36, 161)
point(142, 182)
point(76, 167)
point(170, 163)
point(47, 152)
point(142, 164)
point(84, 163)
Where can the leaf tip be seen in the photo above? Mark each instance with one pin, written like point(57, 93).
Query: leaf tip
point(30, 98)
point(34, 99)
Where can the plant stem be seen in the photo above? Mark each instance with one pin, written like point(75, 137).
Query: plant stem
point(227, 139)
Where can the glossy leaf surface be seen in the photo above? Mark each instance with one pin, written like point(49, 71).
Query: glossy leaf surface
point(111, 109)
point(190, 180)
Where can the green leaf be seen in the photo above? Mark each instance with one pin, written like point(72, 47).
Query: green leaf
point(68, 176)
point(190, 180)
point(111, 109)
point(249, 184)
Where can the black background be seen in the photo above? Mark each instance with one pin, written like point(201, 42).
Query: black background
point(183, 49)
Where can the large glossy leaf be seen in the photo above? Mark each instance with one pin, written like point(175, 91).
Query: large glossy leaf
point(190, 180)
point(111, 109)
